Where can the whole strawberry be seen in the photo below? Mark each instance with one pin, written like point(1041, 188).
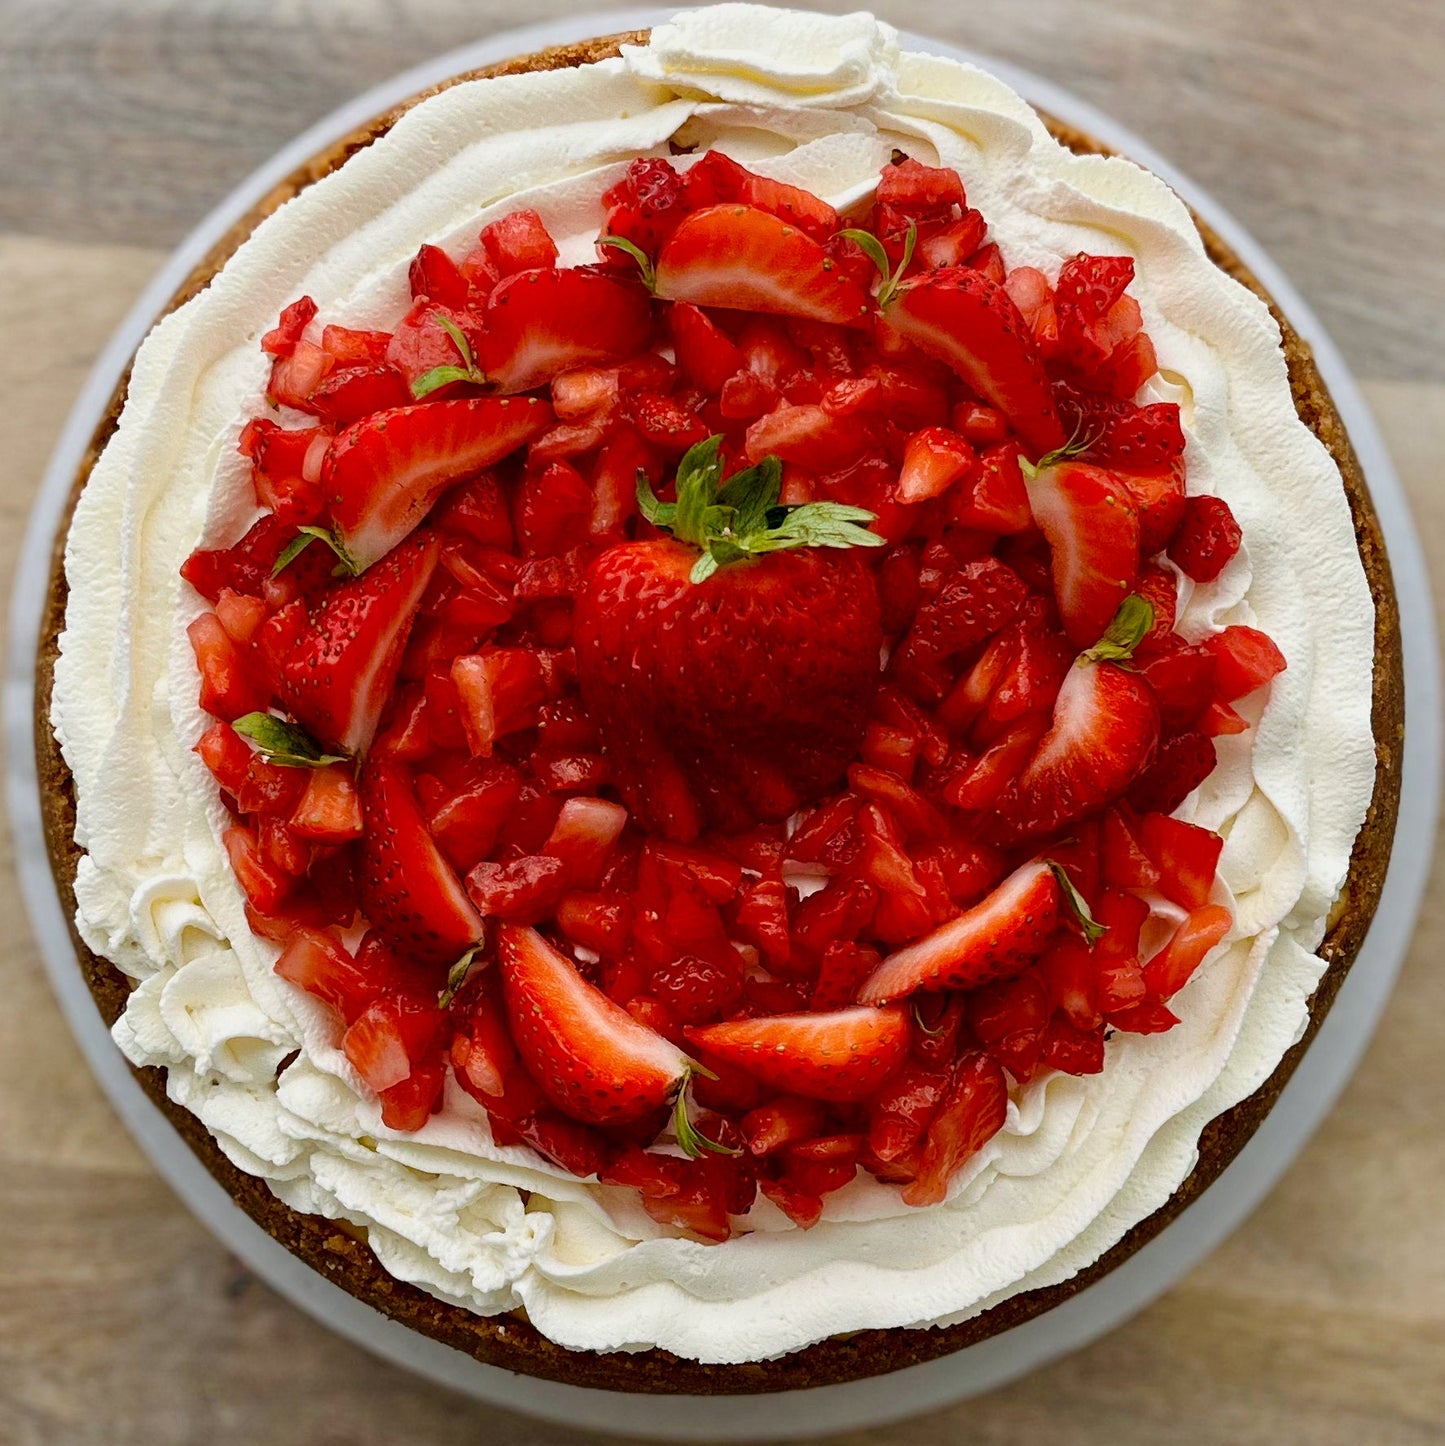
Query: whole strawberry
point(731, 666)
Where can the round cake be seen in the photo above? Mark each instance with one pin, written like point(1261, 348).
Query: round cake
point(1045, 612)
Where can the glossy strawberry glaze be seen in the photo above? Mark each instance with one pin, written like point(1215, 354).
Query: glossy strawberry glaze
point(728, 923)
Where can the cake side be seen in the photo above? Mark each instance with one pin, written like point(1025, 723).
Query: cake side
point(505, 1340)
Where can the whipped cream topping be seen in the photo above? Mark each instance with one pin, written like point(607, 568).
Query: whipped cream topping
point(821, 102)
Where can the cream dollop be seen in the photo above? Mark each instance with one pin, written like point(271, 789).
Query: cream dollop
point(822, 102)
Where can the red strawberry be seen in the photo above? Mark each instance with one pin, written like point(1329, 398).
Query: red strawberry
point(408, 890)
point(1170, 969)
point(1104, 732)
point(742, 257)
point(841, 1056)
point(1186, 856)
point(1206, 539)
point(967, 1118)
point(335, 674)
point(1159, 499)
point(1121, 434)
point(1181, 765)
point(995, 939)
point(718, 177)
point(933, 461)
point(962, 318)
point(1088, 517)
point(383, 473)
point(593, 1060)
point(547, 321)
point(733, 693)
point(1244, 659)
point(704, 352)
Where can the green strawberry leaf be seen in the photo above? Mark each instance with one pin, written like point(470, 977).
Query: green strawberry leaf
point(457, 976)
point(283, 743)
point(630, 248)
point(305, 536)
point(752, 494)
point(1130, 627)
point(690, 1140)
point(438, 377)
point(872, 247)
point(659, 514)
point(1078, 907)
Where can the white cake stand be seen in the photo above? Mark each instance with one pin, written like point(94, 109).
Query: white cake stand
point(1316, 1084)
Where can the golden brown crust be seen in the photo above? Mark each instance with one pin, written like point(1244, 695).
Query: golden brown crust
point(513, 1342)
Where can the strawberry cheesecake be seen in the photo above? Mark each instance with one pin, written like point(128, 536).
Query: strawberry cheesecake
point(716, 713)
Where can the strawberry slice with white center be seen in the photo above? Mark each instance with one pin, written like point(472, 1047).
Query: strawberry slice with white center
point(994, 940)
point(1103, 735)
point(843, 1055)
point(408, 890)
point(383, 473)
point(968, 322)
point(1092, 527)
point(743, 258)
point(336, 676)
point(542, 323)
point(593, 1060)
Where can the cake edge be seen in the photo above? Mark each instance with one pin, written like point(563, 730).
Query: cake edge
point(339, 1252)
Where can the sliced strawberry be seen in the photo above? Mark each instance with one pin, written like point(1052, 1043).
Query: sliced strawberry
point(583, 836)
point(290, 327)
point(962, 318)
point(354, 348)
point(336, 677)
point(721, 178)
point(740, 257)
point(592, 1059)
point(230, 687)
point(392, 1037)
point(318, 964)
point(1104, 732)
point(966, 1119)
point(995, 939)
point(226, 754)
point(347, 396)
point(1092, 528)
point(519, 241)
point(266, 887)
point(704, 351)
point(408, 890)
point(840, 1056)
point(544, 322)
point(383, 473)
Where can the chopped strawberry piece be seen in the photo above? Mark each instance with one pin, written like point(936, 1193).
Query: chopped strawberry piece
point(1185, 855)
point(229, 686)
point(1182, 678)
point(695, 989)
point(265, 886)
point(1206, 539)
point(433, 275)
point(347, 396)
point(1181, 765)
point(408, 890)
point(787, 1120)
point(392, 1037)
point(953, 243)
point(330, 809)
point(477, 510)
point(807, 434)
point(541, 323)
point(226, 754)
point(500, 690)
point(933, 461)
point(270, 789)
point(383, 473)
point(592, 1059)
point(296, 375)
point(994, 940)
point(584, 834)
point(282, 339)
point(352, 348)
point(523, 891)
point(1068, 972)
point(1125, 864)
point(720, 178)
point(1071, 1049)
point(741, 257)
point(1171, 968)
point(317, 963)
point(1220, 720)
point(1009, 1019)
point(518, 242)
point(841, 969)
point(966, 1119)
point(1245, 659)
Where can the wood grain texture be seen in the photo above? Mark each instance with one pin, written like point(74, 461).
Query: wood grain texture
point(1323, 1320)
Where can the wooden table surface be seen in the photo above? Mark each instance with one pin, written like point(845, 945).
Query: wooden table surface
point(1318, 126)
